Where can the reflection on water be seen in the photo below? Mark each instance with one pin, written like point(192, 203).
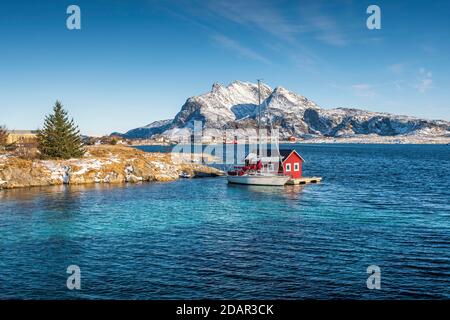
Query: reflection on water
point(292, 192)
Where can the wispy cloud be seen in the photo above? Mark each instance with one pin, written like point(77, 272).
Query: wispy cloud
point(429, 49)
point(279, 29)
point(260, 14)
point(268, 17)
point(397, 68)
point(238, 49)
point(327, 30)
point(292, 27)
point(363, 90)
point(368, 90)
point(425, 79)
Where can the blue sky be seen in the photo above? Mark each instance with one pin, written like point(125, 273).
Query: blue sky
point(134, 62)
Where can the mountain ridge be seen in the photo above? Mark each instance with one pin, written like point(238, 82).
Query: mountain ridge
point(235, 108)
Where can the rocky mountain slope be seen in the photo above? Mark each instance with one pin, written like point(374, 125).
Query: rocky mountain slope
point(147, 131)
point(235, 108)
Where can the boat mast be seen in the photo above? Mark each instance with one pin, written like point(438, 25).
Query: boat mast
point(259, 109)
point(259, 114)
point(269, 119)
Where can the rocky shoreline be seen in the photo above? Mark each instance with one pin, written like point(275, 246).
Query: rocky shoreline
point(101, 164)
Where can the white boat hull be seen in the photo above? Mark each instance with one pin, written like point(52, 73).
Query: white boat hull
point(260, 180)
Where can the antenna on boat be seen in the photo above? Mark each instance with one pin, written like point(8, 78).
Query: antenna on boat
point(269, 119)
point(259, 105)
point(259, 114)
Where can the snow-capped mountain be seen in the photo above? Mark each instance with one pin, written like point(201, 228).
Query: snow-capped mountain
point(222, 105)
point(147, 131)
point(235, 108)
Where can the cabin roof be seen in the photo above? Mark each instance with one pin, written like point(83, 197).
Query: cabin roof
point(285, 153)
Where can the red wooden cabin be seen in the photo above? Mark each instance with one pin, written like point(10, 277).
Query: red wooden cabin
point(292, 163)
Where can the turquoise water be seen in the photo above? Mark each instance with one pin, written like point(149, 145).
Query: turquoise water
point(201, 238)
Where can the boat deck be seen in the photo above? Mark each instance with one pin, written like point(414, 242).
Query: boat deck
point(305, 180)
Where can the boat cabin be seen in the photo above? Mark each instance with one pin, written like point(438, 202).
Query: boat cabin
point(263, 163)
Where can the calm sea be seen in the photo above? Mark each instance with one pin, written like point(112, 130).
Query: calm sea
point(384, 205)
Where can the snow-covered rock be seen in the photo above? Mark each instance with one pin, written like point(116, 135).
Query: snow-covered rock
point(234, 108)
point(104, 164)
point(147, 131)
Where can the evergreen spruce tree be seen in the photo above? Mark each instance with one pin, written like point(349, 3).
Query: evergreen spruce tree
point(60, 137)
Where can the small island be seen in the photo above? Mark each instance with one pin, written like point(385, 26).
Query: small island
point(100, 164)
point(59, 156)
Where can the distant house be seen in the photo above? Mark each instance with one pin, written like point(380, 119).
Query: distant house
point(208, 139)
point(21, 136)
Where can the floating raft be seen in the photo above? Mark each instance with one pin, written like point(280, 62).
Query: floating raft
point(305, 180)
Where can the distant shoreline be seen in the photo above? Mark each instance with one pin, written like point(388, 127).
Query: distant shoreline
point(350, 140)
point(378, 140)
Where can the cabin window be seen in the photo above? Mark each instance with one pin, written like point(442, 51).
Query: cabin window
point(296, 166)
point(288, 167)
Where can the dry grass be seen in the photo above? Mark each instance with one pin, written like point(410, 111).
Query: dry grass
point(28, 153)
point(19, 163)
point(104, 151)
